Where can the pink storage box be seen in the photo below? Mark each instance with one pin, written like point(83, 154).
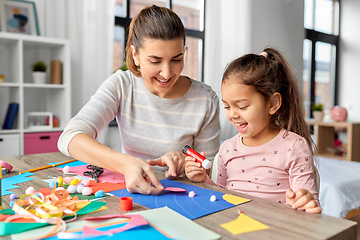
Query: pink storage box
point(41, 142)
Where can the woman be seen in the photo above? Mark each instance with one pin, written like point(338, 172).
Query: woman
point(158, 111)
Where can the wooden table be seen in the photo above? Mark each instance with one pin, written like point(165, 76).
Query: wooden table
point(283, 221)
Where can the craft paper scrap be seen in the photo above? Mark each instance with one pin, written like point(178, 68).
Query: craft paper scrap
point(169, 221)
point(190, 207)
point(9, 183)
point(107, 175)
point(161, 220)
point(235, 199)
point(243, 224)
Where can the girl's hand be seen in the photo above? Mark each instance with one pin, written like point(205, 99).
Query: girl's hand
point(302, 199)
point(174, 160)
point(193, 170)
point(141, 178)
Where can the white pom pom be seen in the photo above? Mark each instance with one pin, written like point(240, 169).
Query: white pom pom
point(191, 194)
point(87, 191)
point(66, 169)
point(30, 190)
point(213, 198)
point(71, 189)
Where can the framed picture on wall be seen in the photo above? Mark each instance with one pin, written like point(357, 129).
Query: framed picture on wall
point(18, 16)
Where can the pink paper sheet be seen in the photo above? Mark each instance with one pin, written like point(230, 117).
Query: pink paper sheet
point(107, 175)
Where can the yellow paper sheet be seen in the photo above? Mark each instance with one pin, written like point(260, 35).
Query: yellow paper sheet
point(235, 199)
point(243, 224)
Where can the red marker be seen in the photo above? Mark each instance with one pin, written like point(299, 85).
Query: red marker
point(188, 151)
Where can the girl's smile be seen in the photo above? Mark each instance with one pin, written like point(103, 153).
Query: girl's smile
point(248, 111)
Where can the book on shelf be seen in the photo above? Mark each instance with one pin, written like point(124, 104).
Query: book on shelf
point(11, 115)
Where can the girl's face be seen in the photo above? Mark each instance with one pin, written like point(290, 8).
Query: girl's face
point(248, 111)
point(161, 63)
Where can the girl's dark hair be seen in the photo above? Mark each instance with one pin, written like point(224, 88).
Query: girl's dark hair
point(152, 23)
point(269, 73)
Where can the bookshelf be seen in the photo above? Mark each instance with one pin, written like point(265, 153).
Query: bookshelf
point(18, 52)
point(325, 136)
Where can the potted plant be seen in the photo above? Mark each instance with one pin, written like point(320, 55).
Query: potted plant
point(39, 72)
point(317, 111)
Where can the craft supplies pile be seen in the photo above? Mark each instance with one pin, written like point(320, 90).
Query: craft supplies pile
point(47, 213)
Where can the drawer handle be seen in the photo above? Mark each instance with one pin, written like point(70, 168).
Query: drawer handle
point(45, 137)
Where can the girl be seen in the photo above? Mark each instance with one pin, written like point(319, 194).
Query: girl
point(152, 104)
point(271, 156)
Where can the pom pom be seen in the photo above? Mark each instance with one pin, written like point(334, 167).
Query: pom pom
point(67, 180)
point(87, 191)
point(74, 181)
point(11, 204)
point(30, 190)
point(79, 188)
point(66, 169)
point(191, 194)
point(100, 193)
point(60, 182)
point(71, 189)
point(12, 196)
point(86, 182)
point(60, 188)
point(213, 198)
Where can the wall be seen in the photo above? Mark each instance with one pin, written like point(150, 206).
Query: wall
point(349, 76)
point(235, 28)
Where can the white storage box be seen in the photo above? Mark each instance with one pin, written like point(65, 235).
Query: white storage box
point(9, 145)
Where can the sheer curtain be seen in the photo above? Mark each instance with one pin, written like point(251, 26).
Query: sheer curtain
point(89, 25)
point(227, 37)
point(238, 27)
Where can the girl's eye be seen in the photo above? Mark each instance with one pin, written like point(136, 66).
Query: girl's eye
point(176, 60)
point(242, 108)
point(154, 62)
point(227, 107)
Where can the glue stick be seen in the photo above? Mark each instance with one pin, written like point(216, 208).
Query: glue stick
point(188, 151)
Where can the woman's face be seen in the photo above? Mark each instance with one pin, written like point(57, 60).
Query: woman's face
point(160, 62)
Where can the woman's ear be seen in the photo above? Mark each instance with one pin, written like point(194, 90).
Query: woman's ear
point(135, 56)
point(275, 103)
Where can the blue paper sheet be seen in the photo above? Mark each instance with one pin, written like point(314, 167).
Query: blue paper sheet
point(9, 183)
point(190, 207)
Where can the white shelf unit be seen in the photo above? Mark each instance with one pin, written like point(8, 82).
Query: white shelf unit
point(18, 52)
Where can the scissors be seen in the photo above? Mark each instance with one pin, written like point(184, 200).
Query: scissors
point(96, 171)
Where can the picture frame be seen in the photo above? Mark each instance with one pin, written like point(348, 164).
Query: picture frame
point(18, 16)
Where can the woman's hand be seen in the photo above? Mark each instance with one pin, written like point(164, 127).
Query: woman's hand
point(174, 160)
point(302, 199)
point(193, 170)
point(139, 177)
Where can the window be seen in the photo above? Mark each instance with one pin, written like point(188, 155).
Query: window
point(192, 14)
point(321, 47)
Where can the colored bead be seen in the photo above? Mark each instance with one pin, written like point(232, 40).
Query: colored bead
point(30, 190)
point(79, 188)
point(12, 196)
point(67, 180)
point(100, 193)
point(87, 191)
point(66, 169)
point(71, 189)
point(86, 182)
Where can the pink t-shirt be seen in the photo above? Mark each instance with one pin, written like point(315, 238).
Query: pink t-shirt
point(269, 170)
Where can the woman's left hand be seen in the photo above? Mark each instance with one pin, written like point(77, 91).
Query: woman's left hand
point(302, 199)
point(174, 160)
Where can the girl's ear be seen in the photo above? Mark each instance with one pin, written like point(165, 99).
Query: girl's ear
point(275, 103)
point(135, 56)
